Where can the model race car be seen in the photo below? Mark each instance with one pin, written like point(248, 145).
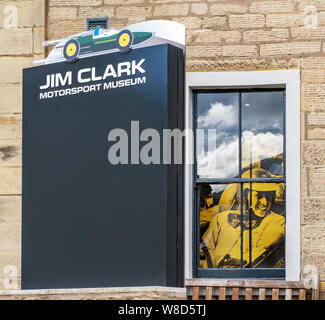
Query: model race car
point(101, 41)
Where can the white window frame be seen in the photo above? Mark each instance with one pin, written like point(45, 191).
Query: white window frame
point(288, 79)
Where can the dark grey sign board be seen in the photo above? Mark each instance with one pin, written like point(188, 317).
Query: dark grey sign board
point(85, 221)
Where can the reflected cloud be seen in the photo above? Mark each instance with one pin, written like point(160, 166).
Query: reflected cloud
point(222, 161)
point(217, 150)
point(218, 115)
point(260, 146)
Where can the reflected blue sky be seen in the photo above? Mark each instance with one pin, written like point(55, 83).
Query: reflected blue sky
point(262, 130)
point(263, 112)
point(217, 153)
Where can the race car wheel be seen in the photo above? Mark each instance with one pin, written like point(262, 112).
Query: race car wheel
point(71, 50)
point(124, 40)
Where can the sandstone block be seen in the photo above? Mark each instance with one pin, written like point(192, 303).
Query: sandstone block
point(239, 64)
point(10, 153)
point(10, 212)
point(126, 11)
point(246, 21)
point(316, 183)
point(266, 36)
point(313, 153)
point(316, 119)
point(199, 8)
point(135, 19)
point(11, 98)
point(239, 50)
point(104, 11)
point(10, 127)
point(313, 211)
point(289, 48)
point(313, 62)
point(171, 10)
point(319, 4)
point(302, 33)
point(17, 42)
point(302, 126)
point(39, 13)
point(313, 75)
point(112, 2)
point(313, 97)
point(119, 23)
point(223, 8)
point(190, 37)
point(10, 180)
point(272, 6)
point(313, 238)
point(73, 3)
point(38, 38)
point(191, 23)
point(62, 29)
point(303, 182)
point(283, 20)
point(218, 36)
point(169, 1)
point(316, 133)
point(65, 13)
point(203, 51)
point(11, 68)
point(38, 56)
point(213, 22)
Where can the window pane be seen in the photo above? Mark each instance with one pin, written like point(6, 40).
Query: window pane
point(266, 219)
point(217, 135)
point(220, 227)
point(262, 132)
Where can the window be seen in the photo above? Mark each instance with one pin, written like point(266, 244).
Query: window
point(242, 201)
point(240, 182)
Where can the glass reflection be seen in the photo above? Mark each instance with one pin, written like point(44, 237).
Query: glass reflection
point(220, 227)
point(262, 131)
point(267, 220)
point(262, 221)
point(217, 135)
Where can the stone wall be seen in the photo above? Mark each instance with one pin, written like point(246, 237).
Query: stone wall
point(22, 30)
point(229, 35)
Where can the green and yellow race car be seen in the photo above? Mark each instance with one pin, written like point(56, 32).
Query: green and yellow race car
point(94, 42)
point(103, 41)
point(100, 40)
